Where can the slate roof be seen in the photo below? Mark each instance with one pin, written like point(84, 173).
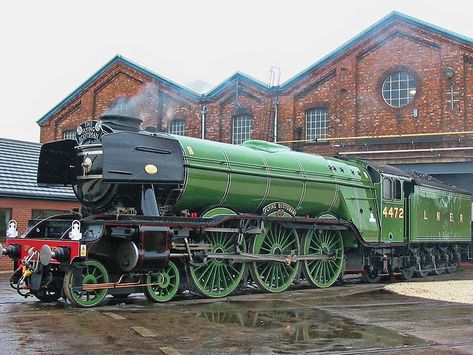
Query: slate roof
point(244, 77)
point(18, 166)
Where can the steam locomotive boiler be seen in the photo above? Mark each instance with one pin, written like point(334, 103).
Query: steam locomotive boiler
point(162, 214)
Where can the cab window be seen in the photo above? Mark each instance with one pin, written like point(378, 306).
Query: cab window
point(397, 189)
point(387, 189)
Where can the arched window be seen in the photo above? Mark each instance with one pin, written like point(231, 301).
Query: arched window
point(177, 127)
point(399, 89)
point(71, 134)
point(241, 130)
point(316, 120)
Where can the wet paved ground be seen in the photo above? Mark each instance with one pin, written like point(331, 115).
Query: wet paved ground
point(353, 318)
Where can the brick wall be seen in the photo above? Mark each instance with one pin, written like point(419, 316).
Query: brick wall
point(22, 212)
point(349, 86)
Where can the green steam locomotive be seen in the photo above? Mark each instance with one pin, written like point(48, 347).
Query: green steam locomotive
point(163, 214)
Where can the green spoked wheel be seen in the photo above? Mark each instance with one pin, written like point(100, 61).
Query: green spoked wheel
point(323, 273)
point(167, 281)
point(275, 276)
point(218, 277)
point(93, 272)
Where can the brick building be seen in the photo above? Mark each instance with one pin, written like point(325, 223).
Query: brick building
point(21, 198)
point(400, 92)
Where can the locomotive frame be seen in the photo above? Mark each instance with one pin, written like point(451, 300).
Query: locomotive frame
point(162, 214)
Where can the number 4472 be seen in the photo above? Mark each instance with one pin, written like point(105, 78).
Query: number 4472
point(393, 212)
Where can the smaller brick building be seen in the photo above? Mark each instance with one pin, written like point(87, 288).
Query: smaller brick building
point(21, 198)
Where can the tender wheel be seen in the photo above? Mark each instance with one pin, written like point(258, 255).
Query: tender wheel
point(218, 277)
point(323, 273)
point(371, 277)
point(440, 262)
point(407, 273)
point(424, 262)
point(47, 296)
point(168, 283)
point(93, 272)
point(410, 265)
point(452, 265)
point(275, 276)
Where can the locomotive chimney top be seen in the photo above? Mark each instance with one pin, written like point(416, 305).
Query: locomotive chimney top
point(121, 122)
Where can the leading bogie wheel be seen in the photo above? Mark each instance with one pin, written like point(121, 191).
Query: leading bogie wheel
point(277, 240)
point(323, 273)
point(218, 277)
point(163, 284)
point(46, 295)
point(93, 272)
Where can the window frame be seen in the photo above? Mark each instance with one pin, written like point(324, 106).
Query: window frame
point(181, 122)
point(242, 136)
point(71, 131)
point(4, 234)
point(394, 182)
point(409, 99)
point(321, 131)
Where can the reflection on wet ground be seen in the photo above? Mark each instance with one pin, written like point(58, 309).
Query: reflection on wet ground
point(350, 318)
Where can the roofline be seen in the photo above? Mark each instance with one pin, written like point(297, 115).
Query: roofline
point(236, 76)
point(36, 197)
point(393, 15)
point(95, 76)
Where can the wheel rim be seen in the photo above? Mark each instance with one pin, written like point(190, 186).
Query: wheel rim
point(92, 273)
point(168, 280)
point(218, 277)
point(323, 273)
point(275, 276)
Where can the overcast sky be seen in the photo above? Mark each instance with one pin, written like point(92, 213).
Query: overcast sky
point(49, 48)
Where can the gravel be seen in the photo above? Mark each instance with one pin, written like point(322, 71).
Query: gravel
point(450, 291)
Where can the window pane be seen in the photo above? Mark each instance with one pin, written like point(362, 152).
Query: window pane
point(5, 217)
point(387, 189)
point(399, 89)
point(70, 134)
point(316, 123)
point(397, 190)
point(41, 214)
point(177, 127)
point(241, 129)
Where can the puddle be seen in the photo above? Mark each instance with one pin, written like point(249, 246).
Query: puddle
point(304, 330)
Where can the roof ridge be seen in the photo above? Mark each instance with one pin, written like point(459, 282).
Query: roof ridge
point(354, 40)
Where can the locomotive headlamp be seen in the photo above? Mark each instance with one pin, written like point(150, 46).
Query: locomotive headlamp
point(12, 231)
point(75, 233)
point(46, 254)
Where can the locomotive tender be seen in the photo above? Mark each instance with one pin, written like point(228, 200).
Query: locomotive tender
point(162, 214)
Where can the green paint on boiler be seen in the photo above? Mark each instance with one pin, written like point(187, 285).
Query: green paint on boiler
point(245, 178)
